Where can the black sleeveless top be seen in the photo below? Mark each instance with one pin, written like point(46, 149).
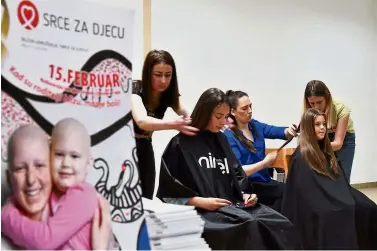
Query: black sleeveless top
point(157, 113)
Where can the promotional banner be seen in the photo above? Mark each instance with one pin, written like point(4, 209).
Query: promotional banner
point(73, 59)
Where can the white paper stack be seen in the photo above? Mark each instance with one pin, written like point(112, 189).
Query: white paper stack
point(174, 227)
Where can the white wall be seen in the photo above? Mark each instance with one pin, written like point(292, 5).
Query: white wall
point(271, 49)
point(137, 6)
point(375, 51)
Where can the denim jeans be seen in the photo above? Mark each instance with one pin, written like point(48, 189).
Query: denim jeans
point(346, 154)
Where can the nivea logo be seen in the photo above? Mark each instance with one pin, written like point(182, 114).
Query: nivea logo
point(211, 162)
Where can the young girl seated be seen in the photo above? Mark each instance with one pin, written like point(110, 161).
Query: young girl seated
point(327, 213)
point(340, 127)
point(72, 204)
point(202, 171)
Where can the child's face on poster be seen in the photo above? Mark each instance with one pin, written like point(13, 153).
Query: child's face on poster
point(70, 160)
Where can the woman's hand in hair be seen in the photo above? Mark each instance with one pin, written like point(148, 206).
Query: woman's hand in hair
point(181, 121)
point(229, 123)
point(182, 125)
point(291, 131)
point(101, 225)
point(188, 130)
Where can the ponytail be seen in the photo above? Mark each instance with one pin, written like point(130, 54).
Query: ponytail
point(244, 141)
point(229, 93)
point(233, 97)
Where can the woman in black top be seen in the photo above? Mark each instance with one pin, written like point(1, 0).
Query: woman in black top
point(157, 91)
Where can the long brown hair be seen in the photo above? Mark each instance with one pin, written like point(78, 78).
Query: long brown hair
point(310, 148)
point(319, 89)
point(208, 101)
point(171, 95)
point(233, 97)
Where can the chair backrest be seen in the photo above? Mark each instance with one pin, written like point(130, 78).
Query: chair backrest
point(283, 159)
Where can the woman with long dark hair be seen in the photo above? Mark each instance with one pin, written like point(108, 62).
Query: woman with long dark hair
point(202, 171)
point(339, 123)
point(157, 90)
point(327, 213)
point(247, 139)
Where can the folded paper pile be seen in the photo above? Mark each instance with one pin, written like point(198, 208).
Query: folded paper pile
point(174, 227)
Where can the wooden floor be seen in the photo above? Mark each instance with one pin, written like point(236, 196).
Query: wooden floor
point(370, 192)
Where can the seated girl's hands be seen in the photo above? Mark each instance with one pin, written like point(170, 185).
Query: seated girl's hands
point(210, 204)
point(250, 200)
point(213, 204)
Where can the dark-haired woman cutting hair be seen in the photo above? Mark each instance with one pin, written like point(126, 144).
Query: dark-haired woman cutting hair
point(327, 213)
point(157, 90)
point(246, 138)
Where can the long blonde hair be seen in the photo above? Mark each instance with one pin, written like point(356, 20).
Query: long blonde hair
point(319, 89)
point(311, 151)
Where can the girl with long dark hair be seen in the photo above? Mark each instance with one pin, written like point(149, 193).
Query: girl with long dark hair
point(327, 213)
point(339, 122)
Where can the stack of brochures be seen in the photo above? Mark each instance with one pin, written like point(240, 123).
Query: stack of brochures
point(174, 227)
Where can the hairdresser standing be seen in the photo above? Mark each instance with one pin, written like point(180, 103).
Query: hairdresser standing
point(339, 123)
point(157, 91)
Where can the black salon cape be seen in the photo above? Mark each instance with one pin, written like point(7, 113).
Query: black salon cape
point(230, 227)
point(326, 213)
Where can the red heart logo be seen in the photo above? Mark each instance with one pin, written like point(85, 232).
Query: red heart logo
point(28, 13)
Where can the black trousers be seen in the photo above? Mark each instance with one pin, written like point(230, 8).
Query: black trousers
point(269, 193)
point(146, 165)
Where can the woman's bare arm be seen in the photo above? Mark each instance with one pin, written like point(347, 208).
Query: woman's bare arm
point(340, 133)
point(146, 122)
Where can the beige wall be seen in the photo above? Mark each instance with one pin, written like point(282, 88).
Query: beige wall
point(146, 26)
